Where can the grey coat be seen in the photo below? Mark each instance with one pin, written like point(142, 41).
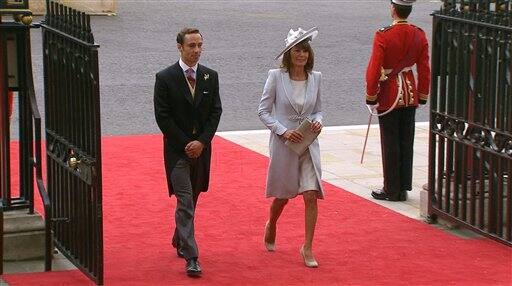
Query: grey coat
point(279, 113)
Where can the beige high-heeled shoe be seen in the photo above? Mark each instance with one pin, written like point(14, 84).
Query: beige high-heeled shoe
point(270, 246)
point(311, 262)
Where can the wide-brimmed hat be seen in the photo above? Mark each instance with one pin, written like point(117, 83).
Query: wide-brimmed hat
point(404, 2)
point(295, 37)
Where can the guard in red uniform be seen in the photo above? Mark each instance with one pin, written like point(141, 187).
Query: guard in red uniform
point(391, 88)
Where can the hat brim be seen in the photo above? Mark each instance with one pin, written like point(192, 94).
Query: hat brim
point(403, 3)
point(311, 34)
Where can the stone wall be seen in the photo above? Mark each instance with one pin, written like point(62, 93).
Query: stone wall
point(96, 7)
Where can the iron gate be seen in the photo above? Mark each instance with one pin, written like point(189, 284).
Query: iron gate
point(470, 156)
point(73, 134)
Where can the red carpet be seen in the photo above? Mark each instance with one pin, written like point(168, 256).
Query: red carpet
point(357, 242)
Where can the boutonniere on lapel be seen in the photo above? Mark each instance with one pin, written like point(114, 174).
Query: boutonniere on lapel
point(206, 76)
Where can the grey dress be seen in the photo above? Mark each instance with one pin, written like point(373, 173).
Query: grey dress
point(307, 175)
point(288, 173)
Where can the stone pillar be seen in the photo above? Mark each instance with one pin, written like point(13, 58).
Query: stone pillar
point(98, 7)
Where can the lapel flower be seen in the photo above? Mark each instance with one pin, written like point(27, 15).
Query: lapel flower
point(206, 76)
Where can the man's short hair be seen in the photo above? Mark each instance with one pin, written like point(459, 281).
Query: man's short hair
point(180, 38)
point(402, 11)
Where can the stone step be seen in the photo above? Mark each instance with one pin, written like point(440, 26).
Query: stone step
point(24, 235)
point(24, 245)
point(21, 221)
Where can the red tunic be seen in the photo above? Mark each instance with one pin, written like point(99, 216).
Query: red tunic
point(390, 46)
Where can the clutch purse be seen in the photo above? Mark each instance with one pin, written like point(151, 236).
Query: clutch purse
point(309, 137)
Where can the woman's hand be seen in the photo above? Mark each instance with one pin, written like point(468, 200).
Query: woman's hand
point(293, 135)
point(316, 127)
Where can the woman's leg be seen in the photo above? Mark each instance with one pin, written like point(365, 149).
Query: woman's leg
point(311, 214)
point(276, 209)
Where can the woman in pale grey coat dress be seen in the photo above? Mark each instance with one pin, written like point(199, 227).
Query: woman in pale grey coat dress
point(290, 96)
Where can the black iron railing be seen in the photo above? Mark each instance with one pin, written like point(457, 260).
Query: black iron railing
point(37, 164)
point(470, 160)
point(73, 136)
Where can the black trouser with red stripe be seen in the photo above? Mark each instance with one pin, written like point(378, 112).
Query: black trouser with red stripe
point(397, 144)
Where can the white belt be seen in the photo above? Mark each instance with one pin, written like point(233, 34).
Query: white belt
point(400, 79)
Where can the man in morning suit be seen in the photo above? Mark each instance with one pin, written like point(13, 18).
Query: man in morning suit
point(390, 84)
point(187, 111)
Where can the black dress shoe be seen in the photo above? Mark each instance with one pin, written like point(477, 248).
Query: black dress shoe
point(382, 195)
point(193, 268)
